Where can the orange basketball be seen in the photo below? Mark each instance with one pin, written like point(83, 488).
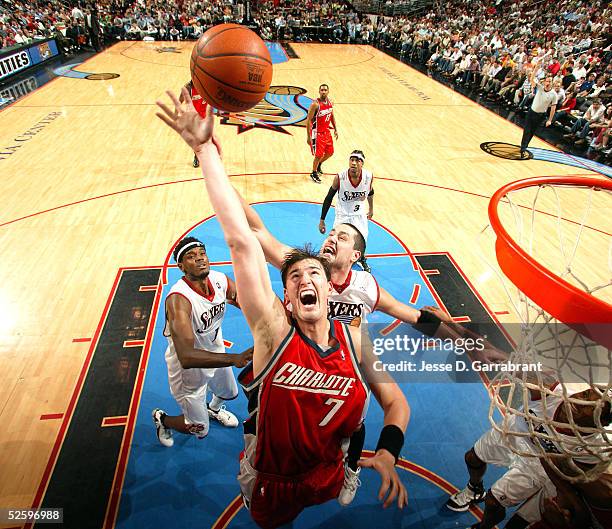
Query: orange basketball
point(231, 67)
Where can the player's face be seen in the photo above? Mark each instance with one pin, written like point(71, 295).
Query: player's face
point(355, 165)
point(323, 92)
point(307, 289)
point(195, 264)
point(338, 248)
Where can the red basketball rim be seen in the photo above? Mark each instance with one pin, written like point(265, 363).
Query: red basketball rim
point(588, 315)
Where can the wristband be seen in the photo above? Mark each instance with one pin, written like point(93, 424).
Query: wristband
point(428, 323)
point(391, 439)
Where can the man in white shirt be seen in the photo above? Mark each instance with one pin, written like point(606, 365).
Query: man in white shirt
point(544, 101)
point(594, 114)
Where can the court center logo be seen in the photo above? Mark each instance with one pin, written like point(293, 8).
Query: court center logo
point(282, 106)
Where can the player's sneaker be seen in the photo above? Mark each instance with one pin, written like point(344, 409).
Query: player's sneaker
point(226, 418)
point(196, 162)
point(315, 177)
point(461, 501)
point(163, 434)
point(350, 486)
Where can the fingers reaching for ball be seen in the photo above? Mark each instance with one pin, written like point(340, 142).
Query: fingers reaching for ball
point(187, 123)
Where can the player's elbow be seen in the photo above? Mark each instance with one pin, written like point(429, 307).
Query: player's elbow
point(240, 242)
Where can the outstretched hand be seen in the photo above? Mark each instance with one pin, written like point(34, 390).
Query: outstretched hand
point(391, 487)
point(187, 123)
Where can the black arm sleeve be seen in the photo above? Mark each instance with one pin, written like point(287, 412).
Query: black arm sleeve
point(371, 193)
point(327, 202)
point(427, 323)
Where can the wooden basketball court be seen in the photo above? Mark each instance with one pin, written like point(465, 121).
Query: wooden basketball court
point(94, 182)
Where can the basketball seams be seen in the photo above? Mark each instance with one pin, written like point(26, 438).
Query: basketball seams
point(238, 88)
point(239, 71)
point(220, 55)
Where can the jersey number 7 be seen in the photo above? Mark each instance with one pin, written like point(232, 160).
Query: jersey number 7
point(335, 403)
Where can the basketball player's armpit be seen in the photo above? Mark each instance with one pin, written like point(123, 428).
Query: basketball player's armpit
point(327, 202)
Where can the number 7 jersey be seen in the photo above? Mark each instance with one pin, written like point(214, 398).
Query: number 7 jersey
point(304, 405)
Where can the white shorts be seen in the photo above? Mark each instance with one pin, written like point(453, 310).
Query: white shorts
point(359, 221)
point(531, 511)
point(189, 388)
point(525, 475)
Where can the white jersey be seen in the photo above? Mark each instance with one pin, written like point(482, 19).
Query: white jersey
point(560, 443)
point(206, 313)
point(351, 205)
point(355, 299)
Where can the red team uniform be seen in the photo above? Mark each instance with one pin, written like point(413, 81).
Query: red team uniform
point(198, 103)
point(303, 408)
point(321, 142)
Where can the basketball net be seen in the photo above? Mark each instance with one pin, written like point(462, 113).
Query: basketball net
point(547, 407)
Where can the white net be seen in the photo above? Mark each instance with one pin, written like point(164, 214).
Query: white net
point(561, 410)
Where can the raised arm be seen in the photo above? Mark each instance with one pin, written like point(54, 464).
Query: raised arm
point(257, 299)
point(274, 250)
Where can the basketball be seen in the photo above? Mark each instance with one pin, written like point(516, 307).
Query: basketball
point(231, 67)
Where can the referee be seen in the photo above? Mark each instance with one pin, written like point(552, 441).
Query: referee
point(545, 99)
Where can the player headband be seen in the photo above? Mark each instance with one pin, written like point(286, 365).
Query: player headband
point(357, 154)
point(186, 248)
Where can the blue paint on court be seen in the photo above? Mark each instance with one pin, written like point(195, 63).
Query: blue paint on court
point(192, 483)
point(548, 155)
point(277, 53)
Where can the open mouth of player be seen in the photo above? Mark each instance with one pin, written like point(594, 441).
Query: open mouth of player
point(329, 251)
point(308, 297)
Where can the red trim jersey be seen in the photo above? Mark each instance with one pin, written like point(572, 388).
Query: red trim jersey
point(322, 118)
point(207, 313)
point(304, 405)
point(352, 301)
point(198, 102)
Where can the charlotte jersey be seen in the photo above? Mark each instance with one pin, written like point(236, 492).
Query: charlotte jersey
point(303, 406)
point(555, 441)
point(206, 312)
point(352, 301)
point(351, 199)
point(322, 119)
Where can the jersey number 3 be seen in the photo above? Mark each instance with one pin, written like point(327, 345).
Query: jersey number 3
point(335, 404)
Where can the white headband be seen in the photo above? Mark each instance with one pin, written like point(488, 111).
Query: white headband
point(187, 247)
point(357, 155)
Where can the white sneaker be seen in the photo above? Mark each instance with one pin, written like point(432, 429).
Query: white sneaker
point(163, 434)
point(350, 485)
point(462, 500)
point(226, 418)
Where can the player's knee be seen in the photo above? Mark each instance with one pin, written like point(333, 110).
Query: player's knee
point(472, 460)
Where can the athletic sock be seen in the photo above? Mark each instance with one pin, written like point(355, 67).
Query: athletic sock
point(215, 403)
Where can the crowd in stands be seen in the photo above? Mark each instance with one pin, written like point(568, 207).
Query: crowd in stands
point(489, 51)
point(489, 47)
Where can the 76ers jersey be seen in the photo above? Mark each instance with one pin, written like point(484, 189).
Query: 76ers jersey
point(206, 312)
point(304, 405)
point(352, 198)
point(322, 119)
point(355, 299)
point(559, 442)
